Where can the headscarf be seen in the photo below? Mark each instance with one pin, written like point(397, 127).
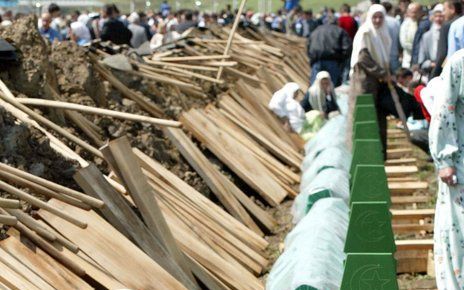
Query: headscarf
point(279, 99)
point(377, 41)
point(317, 97)
point(283, 104)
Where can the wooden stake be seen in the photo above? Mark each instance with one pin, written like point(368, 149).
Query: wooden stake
point(98, 111)
point(8, 220)
point(231, 34)
point(41, 204)
point(9, 203)
point(53, 186)
point(10, 98)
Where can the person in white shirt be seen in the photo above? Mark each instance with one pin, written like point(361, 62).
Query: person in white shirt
point(408, 30)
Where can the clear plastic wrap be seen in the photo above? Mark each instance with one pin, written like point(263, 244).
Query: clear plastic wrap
point(336, 157)
point(336, 181)
point(313, 253)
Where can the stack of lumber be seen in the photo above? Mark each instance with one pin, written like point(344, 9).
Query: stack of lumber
point(144, 227)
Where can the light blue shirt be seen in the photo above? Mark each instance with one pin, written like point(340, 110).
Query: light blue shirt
point(456, 36)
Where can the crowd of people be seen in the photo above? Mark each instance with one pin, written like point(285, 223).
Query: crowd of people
point(404, 49)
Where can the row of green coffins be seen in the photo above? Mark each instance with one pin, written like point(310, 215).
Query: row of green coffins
point(370, 244)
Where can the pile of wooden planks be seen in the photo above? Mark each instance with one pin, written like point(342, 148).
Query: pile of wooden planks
point(144, 227)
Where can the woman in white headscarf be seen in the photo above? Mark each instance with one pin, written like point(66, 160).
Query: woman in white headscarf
point(321, 95)
point(370, 61)
point(284, 105)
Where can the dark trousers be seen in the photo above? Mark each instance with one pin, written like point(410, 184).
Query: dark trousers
point(420, 138)
point(333, 67)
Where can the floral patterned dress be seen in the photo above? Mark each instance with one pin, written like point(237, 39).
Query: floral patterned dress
point(446, 138)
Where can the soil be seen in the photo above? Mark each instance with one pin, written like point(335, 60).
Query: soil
point(34, 69)
point(75, 73)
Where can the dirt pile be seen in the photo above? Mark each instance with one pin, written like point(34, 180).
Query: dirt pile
point(75, 73)
point(28, 149)
point(35, 68)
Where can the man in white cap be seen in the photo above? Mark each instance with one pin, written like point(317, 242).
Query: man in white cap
point(138, 32)
point(429, 43)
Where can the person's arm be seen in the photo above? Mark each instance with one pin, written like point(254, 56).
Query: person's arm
point(368, 64)
point(452, 41)
point(443, 139)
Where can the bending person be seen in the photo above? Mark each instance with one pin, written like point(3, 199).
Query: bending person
point(321, 95)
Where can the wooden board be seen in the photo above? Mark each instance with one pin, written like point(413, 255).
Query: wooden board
point(398, 153)
point(128, 169)
point(410, 199)
point(402, 245)
point(400, 171)
point(111, 250)
point(237, 157)
point(121, 215)
point(225, 190)
point(412, 213)
point(43, 265)
point(407, 187)
point(401, 161)
point(202, 204)
point(23, 271)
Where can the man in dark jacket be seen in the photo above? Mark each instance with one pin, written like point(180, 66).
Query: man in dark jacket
point(329, 46)
point(452, 11)
point(113, 29)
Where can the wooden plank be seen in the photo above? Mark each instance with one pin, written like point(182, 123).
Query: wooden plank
point(202, 204)
point(410, 199)
point(231, 275)
point(44, 265)
point(235, 156)
point(398, 214)
point(224, 190)
point(99, 241)
point(401, 161)
point(402, 245)
point(129, 171)
point(403, 179)
point(24, 271)
point(398, 153)
point(411, 261)
point(412, 228)
point(98, 111)
point(407, 187)
point(400, 171)
point(14, 280)
point(121, 215)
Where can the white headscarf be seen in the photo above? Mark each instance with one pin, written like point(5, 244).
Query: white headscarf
point(279, 99)
point(283, 104)
point(317, 97)
point(377, 41)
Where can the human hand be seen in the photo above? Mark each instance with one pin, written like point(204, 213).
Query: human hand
point(448, 175)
